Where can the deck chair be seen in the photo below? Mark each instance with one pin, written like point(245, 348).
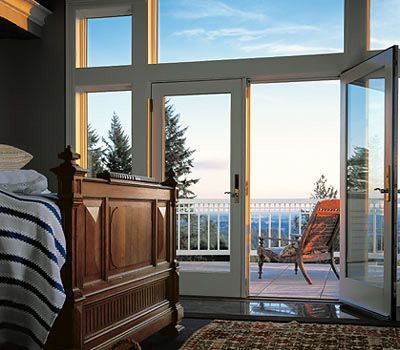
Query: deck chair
point(315, 245)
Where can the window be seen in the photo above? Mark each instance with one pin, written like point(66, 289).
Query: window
point(202, 226)
point(384, 30)
point(109, 137)
point(221, 29)
point(109, 41)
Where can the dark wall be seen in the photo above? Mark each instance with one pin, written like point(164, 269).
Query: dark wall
point(32, 93)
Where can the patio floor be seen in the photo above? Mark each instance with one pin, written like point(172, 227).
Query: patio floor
point(280, 281)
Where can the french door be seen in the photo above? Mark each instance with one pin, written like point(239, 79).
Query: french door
point(369, 184)
point(199, 128)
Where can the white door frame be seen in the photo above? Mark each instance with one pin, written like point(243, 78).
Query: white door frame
point(362, 295)
point(224, 284)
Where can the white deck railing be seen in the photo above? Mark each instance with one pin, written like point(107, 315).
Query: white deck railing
point(209, 233)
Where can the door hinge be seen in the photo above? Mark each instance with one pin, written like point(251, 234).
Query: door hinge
point(151, 105)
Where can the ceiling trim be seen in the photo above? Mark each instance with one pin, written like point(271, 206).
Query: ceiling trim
point(26, 14)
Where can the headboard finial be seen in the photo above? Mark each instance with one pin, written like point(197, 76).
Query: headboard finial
point(69, 167)
point(68, 155)
point(170, 179)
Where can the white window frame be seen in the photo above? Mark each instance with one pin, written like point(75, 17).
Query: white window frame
point(145, 70)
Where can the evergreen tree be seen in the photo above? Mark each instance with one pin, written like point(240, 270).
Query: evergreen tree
point(322, 190)
point(357, 170)
point(177, 155)
point(94, 152)
point(118, 152)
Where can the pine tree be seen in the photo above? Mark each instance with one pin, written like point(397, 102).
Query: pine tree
point(357, 170)
point(94, 152)
point(118, 153)
point(177, 155)
point(322, 190)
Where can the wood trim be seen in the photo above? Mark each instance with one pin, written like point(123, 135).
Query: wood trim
point(81, 43)
point(81, 126)
point(26, 14)
point(152, 31)
point(149, 134)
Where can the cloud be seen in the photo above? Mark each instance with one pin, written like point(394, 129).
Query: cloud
point(382, 43)
point(279, 48)
point(243, 34)
point(213, 8)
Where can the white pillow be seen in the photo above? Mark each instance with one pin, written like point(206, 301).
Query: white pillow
point(23, 181)
point(13, 158)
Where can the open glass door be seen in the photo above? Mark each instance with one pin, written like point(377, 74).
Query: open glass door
point(369, 184)
point(199, 130)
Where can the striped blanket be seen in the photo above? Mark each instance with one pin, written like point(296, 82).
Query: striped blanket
point(32, 252)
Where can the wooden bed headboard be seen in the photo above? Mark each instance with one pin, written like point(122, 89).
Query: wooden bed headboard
point(121, 275)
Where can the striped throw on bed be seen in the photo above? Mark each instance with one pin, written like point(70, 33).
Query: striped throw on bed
point(32, 252)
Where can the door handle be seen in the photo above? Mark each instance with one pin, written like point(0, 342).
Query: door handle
point(385, 191)
point(381, 190)
point(236, 192)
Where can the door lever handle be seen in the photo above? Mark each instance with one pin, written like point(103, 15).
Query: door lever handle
point(234, 194)
point(381, 190)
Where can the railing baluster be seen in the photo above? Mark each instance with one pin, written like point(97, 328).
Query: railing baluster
point(290, 225)
point(279, 229)
point(188, 214)
point(198, 229)
point(374, 231)
point(179, 227)
point(218, 230)
point(269, 229)
point(299, 223)
point(208, 229)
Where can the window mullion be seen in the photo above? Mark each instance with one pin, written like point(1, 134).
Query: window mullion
point(356, 30)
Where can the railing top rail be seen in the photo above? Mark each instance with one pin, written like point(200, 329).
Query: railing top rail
point(267, 201)
point(252, 201)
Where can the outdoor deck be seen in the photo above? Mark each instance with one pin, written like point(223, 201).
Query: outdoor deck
point(280, 281)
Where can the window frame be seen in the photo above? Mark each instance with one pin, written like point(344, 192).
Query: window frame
point(145, 69)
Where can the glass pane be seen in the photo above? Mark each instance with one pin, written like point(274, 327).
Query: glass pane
point(365, 173)
point(294, 140)
point(109, 41)
point(197, 147)
point(109, 132)
point(222, 29)
point(398, 221)
point(385, 30)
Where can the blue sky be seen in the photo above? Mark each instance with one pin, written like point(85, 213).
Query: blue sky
point(385, 29)
point(215, 29)
point(109, 41)
point(289, 120)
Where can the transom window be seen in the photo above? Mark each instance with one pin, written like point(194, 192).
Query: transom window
point(220, 29)
point(109, 41)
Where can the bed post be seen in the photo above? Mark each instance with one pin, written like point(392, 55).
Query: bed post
point(175, 327)
point(69, 176)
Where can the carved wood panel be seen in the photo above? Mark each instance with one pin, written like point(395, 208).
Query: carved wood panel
point(122, 306)
point(93, 240)
point(162, 221)
point(131, 225)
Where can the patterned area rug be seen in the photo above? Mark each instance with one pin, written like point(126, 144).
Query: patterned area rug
point(243, 335)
